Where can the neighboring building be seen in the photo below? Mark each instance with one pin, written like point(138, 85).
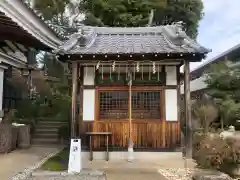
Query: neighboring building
point(197, 84)
point(22, 35)
point(106, 59)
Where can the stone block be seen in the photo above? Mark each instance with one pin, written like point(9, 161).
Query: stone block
point(24, 137)
point(8, 138)
point(210, 175)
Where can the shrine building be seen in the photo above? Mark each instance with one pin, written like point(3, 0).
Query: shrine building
point(127, 82)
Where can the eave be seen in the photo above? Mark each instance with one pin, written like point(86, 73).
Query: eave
point(30, 22)
point(132, 57)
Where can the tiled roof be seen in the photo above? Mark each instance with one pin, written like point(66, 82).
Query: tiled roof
point(136, 40)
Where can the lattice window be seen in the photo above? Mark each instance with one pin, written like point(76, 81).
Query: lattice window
point(146, 105)
point(113, 105)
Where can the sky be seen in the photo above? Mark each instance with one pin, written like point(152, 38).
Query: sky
point(219, 30)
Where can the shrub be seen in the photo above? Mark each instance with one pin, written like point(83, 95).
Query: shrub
point(198, 137)
point(219, 154)
point(64, 132)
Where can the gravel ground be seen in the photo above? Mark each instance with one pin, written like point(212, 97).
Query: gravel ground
point(177, 173)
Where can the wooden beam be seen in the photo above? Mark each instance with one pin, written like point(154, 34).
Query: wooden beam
point(74, 98)
point(135, 57)
point(21, 47)
point(187, 100)
point(12, 46)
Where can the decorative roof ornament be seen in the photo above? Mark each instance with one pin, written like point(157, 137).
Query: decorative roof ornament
point(75, 14)
point(175, 33)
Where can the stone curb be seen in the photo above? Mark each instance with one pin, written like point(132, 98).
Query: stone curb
point(28, 171)
point(64, 173)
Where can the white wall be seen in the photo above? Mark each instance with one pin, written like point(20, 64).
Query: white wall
point(88, 94)
point(171, 73)
point(171, 105)
point(89, 75)
point(88, 104)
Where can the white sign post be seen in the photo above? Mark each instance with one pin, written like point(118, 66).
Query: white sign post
point(74, 164)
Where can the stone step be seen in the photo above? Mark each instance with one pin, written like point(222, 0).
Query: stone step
point(56, 122)
point(48, 126)
point(46, 135)
point(46, 131)
point(45, 141)
point(52, 123)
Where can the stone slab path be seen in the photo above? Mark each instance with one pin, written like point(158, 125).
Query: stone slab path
point(133, 174)
point(108, 174)
point(18, 160)
point(70, 177)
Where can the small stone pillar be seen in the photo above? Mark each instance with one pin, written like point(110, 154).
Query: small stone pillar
point(229, 133)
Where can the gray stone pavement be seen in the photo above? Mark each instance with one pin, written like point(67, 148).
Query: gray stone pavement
point(108, 174)
point(123, 170)
point(133, 174)
point(113, 170)
point(18, 160)
point(89, 175)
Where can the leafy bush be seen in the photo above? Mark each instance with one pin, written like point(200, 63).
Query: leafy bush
point(217, 153)
point(204, 112)
point(198, 137)
point(64, 132)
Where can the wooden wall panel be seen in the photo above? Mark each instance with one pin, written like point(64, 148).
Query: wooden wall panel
point(146, 134)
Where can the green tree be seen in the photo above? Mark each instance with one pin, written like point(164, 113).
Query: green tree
point(127, 12)
point(119, 12)
point(223, 83)
point(52, 9)
point(188, 11)
point(59, 96)
point(204, 113)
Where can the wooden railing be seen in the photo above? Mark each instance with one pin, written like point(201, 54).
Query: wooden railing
point(146, 134)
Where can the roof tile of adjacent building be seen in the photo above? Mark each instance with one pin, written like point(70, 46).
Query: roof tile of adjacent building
point(135, 40)
point(27, 19)
point(199, 70)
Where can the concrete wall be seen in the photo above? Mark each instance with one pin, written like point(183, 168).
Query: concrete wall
point(195, 85)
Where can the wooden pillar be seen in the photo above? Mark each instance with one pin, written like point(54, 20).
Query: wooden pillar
point(74, 98)
point(187, 103)
point(179, 133)
point(29, 83)
point(81, 124)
